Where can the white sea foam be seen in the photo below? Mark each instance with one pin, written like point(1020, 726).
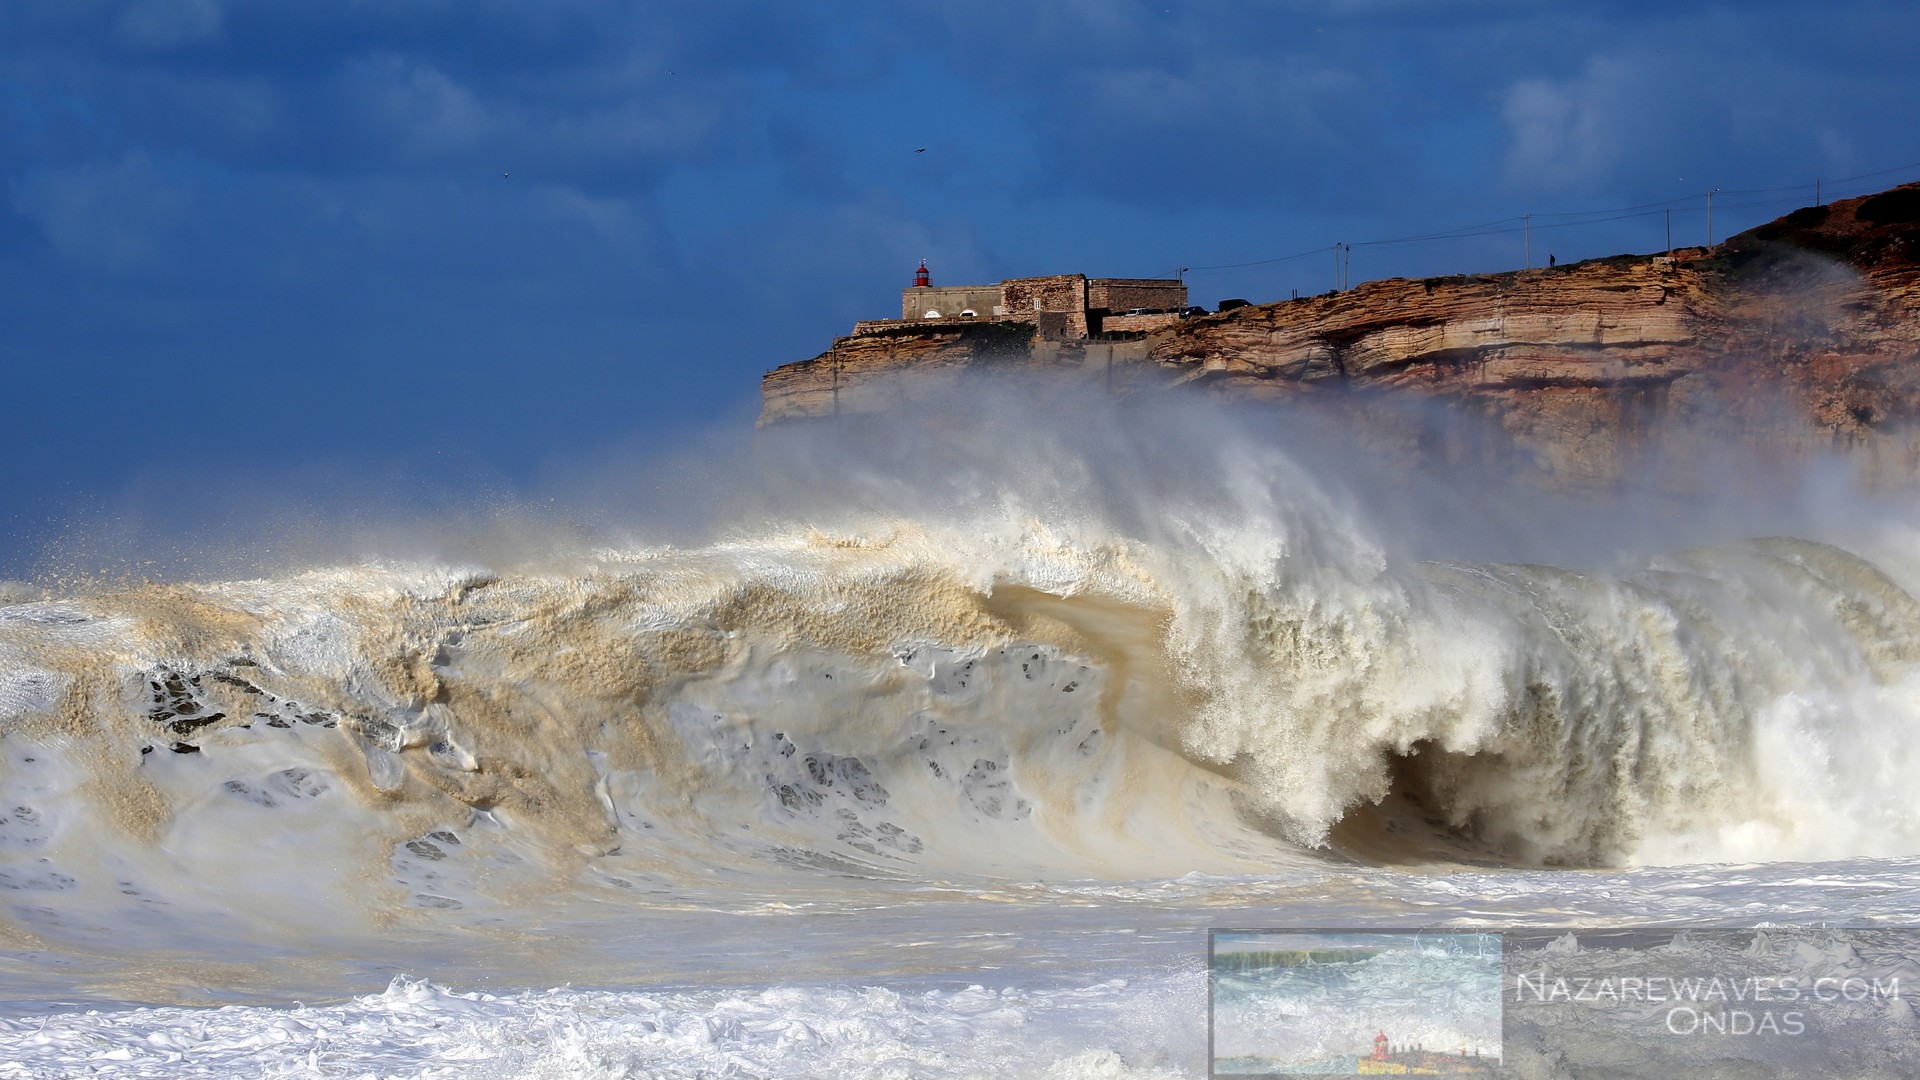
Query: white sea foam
point(1112, 1030)
point(27, 689)
point(946, 731)
point(1139, 709)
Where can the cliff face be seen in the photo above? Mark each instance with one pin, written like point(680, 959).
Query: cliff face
point(1801, 335)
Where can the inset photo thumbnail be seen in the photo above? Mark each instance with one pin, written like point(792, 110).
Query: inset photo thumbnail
point(1366, 1003)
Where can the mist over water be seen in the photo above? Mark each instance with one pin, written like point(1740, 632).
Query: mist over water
point(875, 682)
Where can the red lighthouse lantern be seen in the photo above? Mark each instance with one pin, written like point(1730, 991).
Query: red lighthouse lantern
point(921, 279)
point(1380, 1047)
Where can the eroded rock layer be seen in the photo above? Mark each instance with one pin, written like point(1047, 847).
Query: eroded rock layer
point(1790, 339)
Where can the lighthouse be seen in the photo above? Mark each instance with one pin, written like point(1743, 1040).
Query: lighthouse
point(921, 279)
point(1380, 1047)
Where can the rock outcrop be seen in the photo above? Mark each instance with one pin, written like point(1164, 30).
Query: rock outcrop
point(1796, 337)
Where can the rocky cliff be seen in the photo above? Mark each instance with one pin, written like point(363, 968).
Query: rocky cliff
point(1798, 336)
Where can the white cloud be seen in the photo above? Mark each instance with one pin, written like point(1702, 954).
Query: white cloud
point(425, 110)
point(107, 215)
point(1577, 133)
point(622, 226)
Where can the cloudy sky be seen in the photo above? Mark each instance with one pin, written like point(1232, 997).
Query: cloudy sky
point(460, 248)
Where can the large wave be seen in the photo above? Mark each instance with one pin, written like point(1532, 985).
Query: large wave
point(1136, 655)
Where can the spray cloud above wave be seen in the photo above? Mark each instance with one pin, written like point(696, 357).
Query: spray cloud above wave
point(1006, 642)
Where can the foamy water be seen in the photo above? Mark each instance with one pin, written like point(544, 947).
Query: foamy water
point(906, 792)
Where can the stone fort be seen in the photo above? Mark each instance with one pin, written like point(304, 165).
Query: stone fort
point(1063, 307)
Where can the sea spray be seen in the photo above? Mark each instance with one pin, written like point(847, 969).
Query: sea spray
point(1148, 665)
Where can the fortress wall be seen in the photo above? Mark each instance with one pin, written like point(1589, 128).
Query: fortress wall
point(1062, 294)
point(1147, 323)
point(949, 300)
point(1125, 294)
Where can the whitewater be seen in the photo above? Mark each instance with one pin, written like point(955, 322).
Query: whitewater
point(935, 749)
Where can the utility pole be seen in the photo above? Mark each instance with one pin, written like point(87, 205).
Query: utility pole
point(1526, 228)
point(1669, 232)
point(1816, 192)
point(1710, 196)
point(1336, 268)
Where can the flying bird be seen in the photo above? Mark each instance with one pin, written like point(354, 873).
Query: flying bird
point(922, 150)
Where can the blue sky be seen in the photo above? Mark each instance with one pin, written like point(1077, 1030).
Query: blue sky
point(460, 250)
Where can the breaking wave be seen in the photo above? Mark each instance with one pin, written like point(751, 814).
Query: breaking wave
point(1227, 669)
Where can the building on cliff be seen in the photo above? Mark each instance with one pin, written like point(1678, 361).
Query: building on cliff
point(1063, 307)
point(1790, 342)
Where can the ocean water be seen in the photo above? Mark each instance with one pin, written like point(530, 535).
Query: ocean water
point(937, 761)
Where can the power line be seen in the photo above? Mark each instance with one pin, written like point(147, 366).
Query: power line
point(1823, 189)
point(1261, 262)
point(1879, 172)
